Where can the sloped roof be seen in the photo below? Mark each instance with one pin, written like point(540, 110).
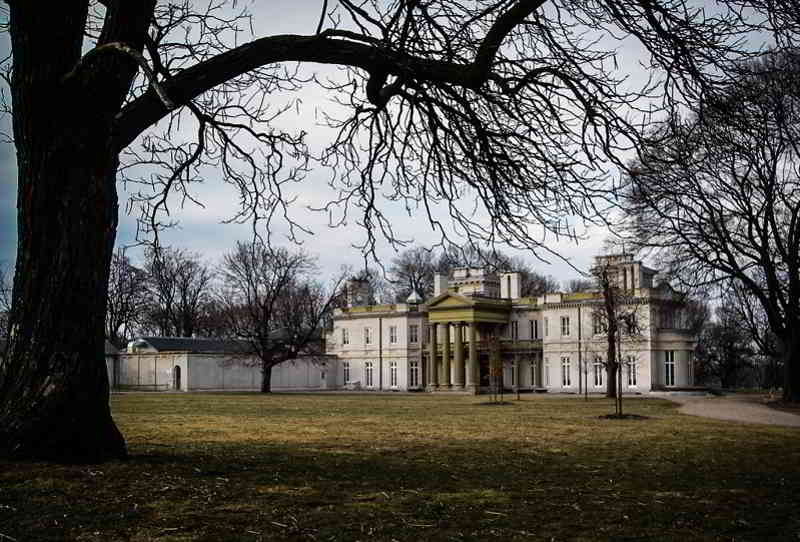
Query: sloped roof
point(192, 344)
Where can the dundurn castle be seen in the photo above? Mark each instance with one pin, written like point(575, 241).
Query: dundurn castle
point(476, 332)
point(477, 325)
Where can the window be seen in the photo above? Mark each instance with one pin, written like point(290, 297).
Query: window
point(514, 330)
point(392, 334)
point(367, 335)
point(513, 373)
point(346, 372)
point(546, 328)
point(599, 325)
point(413, 374)
point(566, 377)
point(534, 329)
point(598, 372)
point(345, 336)
point(632, 376)
point(393, 374)
point(565, 326)
point(669, 367)
point(547, 372)
point(368, 374)
point(413, 333)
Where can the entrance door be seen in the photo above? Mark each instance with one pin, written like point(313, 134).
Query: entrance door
point(176, 378)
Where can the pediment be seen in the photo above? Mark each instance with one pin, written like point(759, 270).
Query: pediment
point(450, 300)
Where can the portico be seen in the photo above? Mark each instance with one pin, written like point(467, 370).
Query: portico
point(451, 316)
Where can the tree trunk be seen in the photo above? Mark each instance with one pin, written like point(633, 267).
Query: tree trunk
point(611, 377)
point(791, 367)
point(266, 377)
point(54, 393)
point(54, 396)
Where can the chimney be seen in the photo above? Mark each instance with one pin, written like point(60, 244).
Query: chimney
point(509, 285)
point(439, 284)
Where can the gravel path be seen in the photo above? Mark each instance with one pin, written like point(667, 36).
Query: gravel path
point(737, 408)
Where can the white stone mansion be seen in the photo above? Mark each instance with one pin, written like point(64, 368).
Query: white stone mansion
point(477, 325)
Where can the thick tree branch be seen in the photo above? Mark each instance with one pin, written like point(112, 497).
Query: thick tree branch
point(190, 83)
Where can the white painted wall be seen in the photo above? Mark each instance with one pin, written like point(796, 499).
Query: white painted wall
point(156, 371)
point(150, 371)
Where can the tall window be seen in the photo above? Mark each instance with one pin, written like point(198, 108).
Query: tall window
point(392, 334)
point(669, 367)
point(547, 372)
point(599, 325)
point(546, 327)
point(345, 336)
point(534, 329)
point(598, 372)
point(413, 374)
point(632, 376)
point(564, 326)
point(367, 335)
point(346, 372)
point(566, 376)
point(393, 374)
point(413, 333)
point(514, 330)
point(368, 374)
point(513, 373)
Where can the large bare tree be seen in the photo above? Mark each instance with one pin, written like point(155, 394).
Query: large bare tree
point(179, 287)
point(512, 105)
point(717, 196)
point(272, 302)
point(724, 347)
point(412, 271)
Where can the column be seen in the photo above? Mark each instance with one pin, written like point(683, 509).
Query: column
point(433, 380)
point(458, 378)
point(472, 364)
point(445, 380)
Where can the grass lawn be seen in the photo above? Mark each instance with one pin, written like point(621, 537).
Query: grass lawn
point(412, 467)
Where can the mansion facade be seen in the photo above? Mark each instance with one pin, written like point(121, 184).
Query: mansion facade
point(477, 331)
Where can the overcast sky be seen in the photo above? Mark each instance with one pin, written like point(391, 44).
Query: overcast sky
point(200, 229)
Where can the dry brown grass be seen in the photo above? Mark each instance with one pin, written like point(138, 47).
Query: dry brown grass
point(412, 467)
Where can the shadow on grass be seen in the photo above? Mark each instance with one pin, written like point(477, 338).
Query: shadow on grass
point(428, 470)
